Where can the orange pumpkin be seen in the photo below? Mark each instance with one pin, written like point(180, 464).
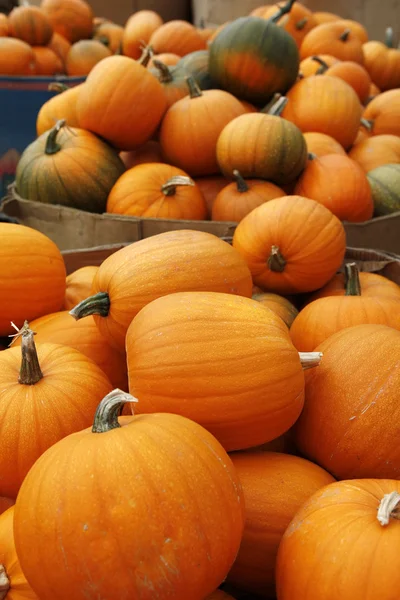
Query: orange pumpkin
point(60, 45)
point(168, 58)
point(178, 37)
point(355, 75)
point(79, 285)
point(279, 305)
point(47, 62)
point(310, 550)
point(5, 504)
point(383, 113)
point(321, 144)
point(16, 57)
point(376, 151)
point(110, 35)
point(210, 187)
point(59, 107)
point(138, 31)
point(355, 27)
point(312, 64)
point(340, 184)
point(83, 56)
point(335, 38)
point(275, 486)
point(72, 19)
point(103, 496)
point(237, 199)
point(382, 62)
point(149, 152)
point(30, 24)
point(4, 25)
point(282, 244)
point(157, 190)
point(298, 22)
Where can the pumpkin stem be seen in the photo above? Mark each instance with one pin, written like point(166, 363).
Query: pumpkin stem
point(146, 56)
point(324, 66)
point(309, 360)
point(271, 103)
point(99, 304)
point(52, 146)
point(345, 35)
point(164, 75)
point(389, 507)
point(352, 280)
point(56, 86)
point(389, 37)
point(276, 105)
point(194, 89)
point(311, 156)
point(109, 409)
point(169, 188)
point(103, 40)
point(368, 124)
point(4, 583)
point(30, 371)
point(276, 261)
point(283, 10)
point(301, 24)
point(241, 185)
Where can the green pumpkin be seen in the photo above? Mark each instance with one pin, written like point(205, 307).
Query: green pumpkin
point(385, 187)
point(196, 64)
point(253, 58)
point(71, 167)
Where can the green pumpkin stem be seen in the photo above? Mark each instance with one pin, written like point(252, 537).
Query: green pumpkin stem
point(368, 124)
point(164, 73)
point(146, 56)
point(389, 508)
point(99, 304)
point(52, 146)
point(30, 371)
point(194, 89)
point(389, 37)
point(4, 583)
point(109, 409)
point(169, 188)
point(283, 10)
point(241, 184)
point(352, 280)
point(301, 24)
point(57, 86)
point(345, 35)
point(276, 262)
point(309, 360)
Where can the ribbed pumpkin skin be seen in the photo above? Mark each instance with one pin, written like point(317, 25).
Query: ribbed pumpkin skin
point(83, 56)
point(61, 106)
point(311, 552)
point(275, 486)
point(371, 284)
point(279, 305)
point(377, 151)
point(16, 57)
point(30, 24)
point(385, 187)
point(384, 111)
point(358, 380)
point(80, 175)
point(19, 587)
point(138, 480)
point(321, 144)
point(138, 30)
point(79, 285)
point(32, 276)
point(253, 59)
point(225, 362)
point(73, 19)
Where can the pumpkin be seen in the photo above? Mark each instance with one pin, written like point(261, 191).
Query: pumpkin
point(376, 151)
point(151, 546)
point(210, 186)
point(320, 144)
point(253, 58)
point(110, 35)
point(325, 17)
point(178, 37)
point(356, 28)
point(30, 24)
point(47, 62)
point(310, 549)
point(168, 58)
point(358, 380)
point(5, 504)
point(237, 199)
point(385, 188)
point(16, 57)
point(191, 127)
point(60, 45)
point(291, 244)
point(73, 19)
point(312, 64)
point(4, 25)
point(340, 184)
point(298, 22)
point(13, 583)
point(262, 146)
point(335, 38)
point(326, 105)
point(382, 61)
point(52, 385)
point(383, 113)
point(138, 31)
point(71, 167)
point(279, 305)
point(323, 317)
point(83, 56)
point(32, 276)
point(197, 65)
point(183, 339)
point(172, 79)
point(157, 190)
point(149, 152)
point(79, 285)
point(354, 74)
point(59, 107)
point(122, 102)
point(275, 486)
point(169, 262)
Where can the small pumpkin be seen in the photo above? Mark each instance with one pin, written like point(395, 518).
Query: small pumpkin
point(279, 305)
point(62, 106)
point(60, 45)
point(177, 36)
point(383, 113)
point(16, 57)
point(47, 62)
point(176, 449)
point(5, 504)
point(111, 35)
point(83, 56)
point(320, 144)
point(291, 244)
point(376, 151)
point(197, 65)
point(157, 190)
point(382, 61)
point(138, 31)
point(71, 167)
point(210, 187)
point(72, 19)
point(79, 285)
point(355, 27)
point(149, 152)
point(335, 38)
point(385, 188)
point(4, 25)
point(30, 24)
point(354, 74)
point(312, 64)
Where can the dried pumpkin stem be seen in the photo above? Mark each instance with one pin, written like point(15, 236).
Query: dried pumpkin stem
point(169, 188)
point(241, 185)
point(389, 37)
point(352, 280)
point(389, 508)
point(146, 56)
point(98, 304)
point(164, 75)
point(56, 86)
point(4, 583)
point(345, 35)
point(309, 360)
point(301, 24)
point(276, 262)
point(52, 146)
point(283, 10)
point(109, 409)
point(30, 371)
point(194, 89)
point(323, 65)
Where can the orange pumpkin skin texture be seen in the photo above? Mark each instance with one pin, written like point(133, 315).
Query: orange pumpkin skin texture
point(5, 503)
point(47, 62)
point(357, 29)
point(309, 66)
point(173, 261)
point(14, 583)
point(246, 403)
point(83, 56)
point(79, 285)
point(383, 65)
point(326, 544)
point(321, 144)
point(30, 24)
point(60, 45)
point(178, 37)
point(61, 106)
point(174, 554)
point(210, 187)
point(149, 190)
point(355, 75)
point(32, 276)
point(275, 486)
point(138, 31)
point(327, 105)
point(384, 113)
point(371, 284)
point(340, 184)
point(279, 305)
point(72, 19)
point(284, 258)
point(4, 26)
point(168, 58)
point(358, 380)
point(111, 85)
point(376, 151)
point(16, 57)
point(326, 39)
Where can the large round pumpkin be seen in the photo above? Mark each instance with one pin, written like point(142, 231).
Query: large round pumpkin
point(32, 276)
point(336, 39)
point(385, 187)
point(173, 261)
point(383, 113)
point(193, 353)
point(83, 56)
point(16, 57)
point(62, 106)
point(68, 166)
point(376, 151)
point(157, 538)
point(73, 19)
point(177, 36)
point(138, 31)
point(30, 24)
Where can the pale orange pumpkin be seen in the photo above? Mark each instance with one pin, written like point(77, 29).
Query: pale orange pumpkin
point(178, 37)
point(383, 113)
point(138, 31)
